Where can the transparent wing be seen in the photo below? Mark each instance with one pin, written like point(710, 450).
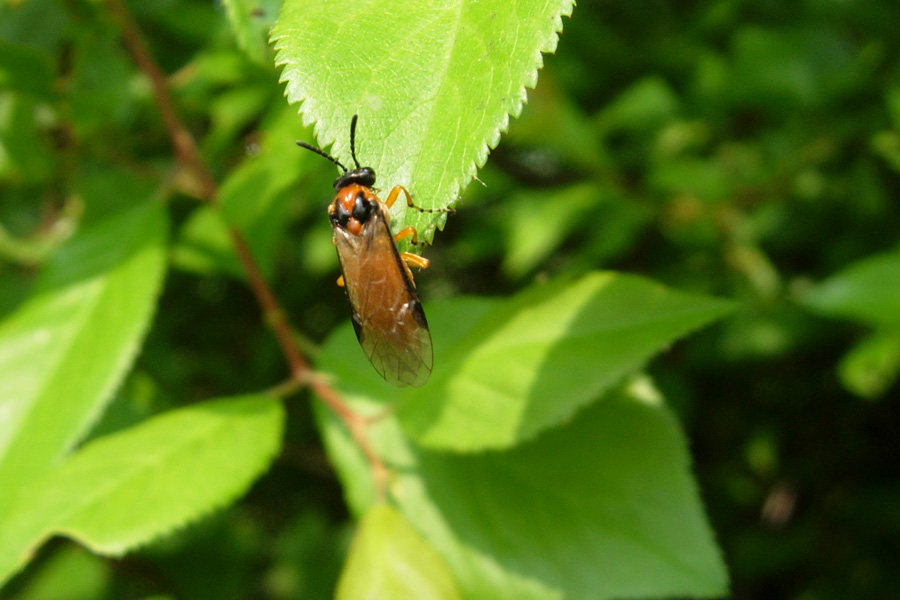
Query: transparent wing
point(387, 314)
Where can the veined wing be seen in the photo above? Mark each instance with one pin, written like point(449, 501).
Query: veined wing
point(387, 314)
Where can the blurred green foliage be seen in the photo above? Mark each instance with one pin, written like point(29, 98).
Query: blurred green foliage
point(748, 149)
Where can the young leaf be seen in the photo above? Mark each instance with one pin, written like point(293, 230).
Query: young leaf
point(63, 352)
point(433, 83)
point(506, 370)
point(872, 366)
point(603, 507)
point(389, 559)
point(867, 291)
point(128, 488)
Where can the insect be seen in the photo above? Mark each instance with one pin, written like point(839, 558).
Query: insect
point(385, 308)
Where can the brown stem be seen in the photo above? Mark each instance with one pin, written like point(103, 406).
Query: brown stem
point(182, 140)
point(357, 426)
point(274, 315)
point(189, 158)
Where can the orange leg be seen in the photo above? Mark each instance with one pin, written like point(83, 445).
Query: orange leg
point(395, 193)
point(405, 233)
point(410, 232)
point(408, 257)
point(415, 260)
point(340, 281)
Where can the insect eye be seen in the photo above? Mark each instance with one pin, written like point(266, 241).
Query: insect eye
point(362, 208)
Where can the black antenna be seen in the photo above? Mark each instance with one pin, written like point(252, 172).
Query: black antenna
point(353, 140)
point(321, 152)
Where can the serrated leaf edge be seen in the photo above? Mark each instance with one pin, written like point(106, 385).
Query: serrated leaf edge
point(492, 139)
point(118, 549)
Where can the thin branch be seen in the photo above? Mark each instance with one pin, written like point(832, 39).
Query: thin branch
point(182, 140)
point(189, 158)
point(274, 315)
point(357, 426)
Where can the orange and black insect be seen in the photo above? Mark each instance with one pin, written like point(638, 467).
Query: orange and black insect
point(385, 307)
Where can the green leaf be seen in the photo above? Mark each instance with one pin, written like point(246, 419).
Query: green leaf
point(26, 155)
point(389, 559)
point(26, 70)
point(887, 145)
point(64, 351)
point(70, 573)
point(255, 198)
point(603, 507)
point(867, 291)
point(872, 366)
point(433, 84)
point(250, 21)
point(647, 105)
point(539, 221)
point(506, 370)
point(232, 112)
point(554, 122)
point(128, 488)
point(100, 88)
point(204, 245)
